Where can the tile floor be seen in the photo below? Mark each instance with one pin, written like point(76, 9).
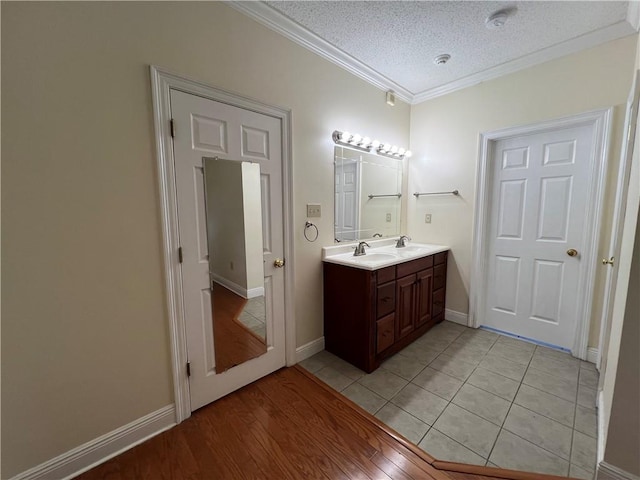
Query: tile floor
point(254, 317)
point(473, 396)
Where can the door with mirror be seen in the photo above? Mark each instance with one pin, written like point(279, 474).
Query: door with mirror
point(228, 170)
point(368, 198)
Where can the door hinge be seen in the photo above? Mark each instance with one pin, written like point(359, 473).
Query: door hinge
point(180, 258)
point(188, 369)
point(172, 126)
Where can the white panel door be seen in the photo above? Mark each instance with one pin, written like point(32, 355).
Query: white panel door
point(205, 128)
point(538, 203)
point(347, 200)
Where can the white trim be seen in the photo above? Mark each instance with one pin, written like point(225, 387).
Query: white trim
point(235, 288)
point(592, 355)
point(101, 449)
point(601, 120)
point(619, 210)
point(602, 433)
point(161, 82)
point(633, 15)
point(589, 40)
point(309, 349)
point(456, 317)
point(607, 471)
point(288, 28)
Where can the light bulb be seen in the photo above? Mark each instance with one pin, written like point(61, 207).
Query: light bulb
point(386, 147)
point(375, 144)
point(407, 154)
point(356, 138)
point(394, 149)
point(366, 141)
point(401, 151)
point(345, 136)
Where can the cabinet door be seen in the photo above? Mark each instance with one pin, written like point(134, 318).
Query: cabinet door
point(405, 305)
point(384, 333)
point(424, 289)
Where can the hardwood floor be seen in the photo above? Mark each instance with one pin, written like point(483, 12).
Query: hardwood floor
point(236, 343)
point(287, 425)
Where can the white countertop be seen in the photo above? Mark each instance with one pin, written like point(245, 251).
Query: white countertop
point(381, 253)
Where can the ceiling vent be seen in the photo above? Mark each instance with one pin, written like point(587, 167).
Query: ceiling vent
point(442, 59)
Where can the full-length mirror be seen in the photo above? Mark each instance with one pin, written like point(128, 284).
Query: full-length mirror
point(367, 195)
point(236, 269)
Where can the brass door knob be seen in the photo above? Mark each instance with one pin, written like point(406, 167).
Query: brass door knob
point(278, 263)
point(611, 261)
point(572, 252)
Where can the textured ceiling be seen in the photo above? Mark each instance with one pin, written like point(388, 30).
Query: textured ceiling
point(400, 39)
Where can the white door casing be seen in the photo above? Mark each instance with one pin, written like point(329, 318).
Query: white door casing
point(619, 210)
point(204, 127)
point(162, 84)
point(518, 229)
point(347, 201)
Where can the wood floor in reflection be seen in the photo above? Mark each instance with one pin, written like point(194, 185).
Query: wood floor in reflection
point(287, 425)
point(234, 343)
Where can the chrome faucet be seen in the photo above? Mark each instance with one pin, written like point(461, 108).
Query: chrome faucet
point(360, 249)
point(402, 241)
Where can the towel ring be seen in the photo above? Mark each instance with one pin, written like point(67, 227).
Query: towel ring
point(307, 226)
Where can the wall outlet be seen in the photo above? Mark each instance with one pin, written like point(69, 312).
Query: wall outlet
point(427, 218)
point(313, 210)
point(388, 217)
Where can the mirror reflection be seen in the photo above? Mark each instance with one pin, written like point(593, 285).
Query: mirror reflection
point(367, 195)
point(236, 269)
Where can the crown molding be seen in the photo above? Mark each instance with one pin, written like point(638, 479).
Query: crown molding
point(290, 29)
point(589, 40)
point(633, 14)
point(278, 22)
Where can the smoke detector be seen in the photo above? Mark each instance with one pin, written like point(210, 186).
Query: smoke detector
point(442, 59)
point(497, 19)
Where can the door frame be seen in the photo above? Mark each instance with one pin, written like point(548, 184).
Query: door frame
point(162, 81)
point(601, 121)
point(619, 210)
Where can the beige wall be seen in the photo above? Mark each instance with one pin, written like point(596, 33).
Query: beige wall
point(444, 139)
point(85, 339)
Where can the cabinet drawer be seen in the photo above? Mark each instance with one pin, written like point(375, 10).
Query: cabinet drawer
point(438, 302)
point(439, 276)
point(414, 266)
point(439, 258)
point(385, 333)
point(385, 299)
point(386, 274)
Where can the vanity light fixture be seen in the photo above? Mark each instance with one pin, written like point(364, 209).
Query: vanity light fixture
point(365, 144)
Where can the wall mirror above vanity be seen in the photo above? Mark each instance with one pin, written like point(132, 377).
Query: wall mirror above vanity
point(368, 195)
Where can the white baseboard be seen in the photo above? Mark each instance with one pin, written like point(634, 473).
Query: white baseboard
point(234, 287)
point(592, 355)
point(456, 317)
point(101, 449)
point(309, 349)
point(611, 472)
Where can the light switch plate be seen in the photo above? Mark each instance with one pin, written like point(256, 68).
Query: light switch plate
point(427, 218)
point(388, 217)
point(314, 210)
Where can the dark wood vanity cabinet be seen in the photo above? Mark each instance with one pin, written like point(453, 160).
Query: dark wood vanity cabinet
point(371, 314)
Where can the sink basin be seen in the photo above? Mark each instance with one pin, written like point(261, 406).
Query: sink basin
point(411, 249)
point(374, 257)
